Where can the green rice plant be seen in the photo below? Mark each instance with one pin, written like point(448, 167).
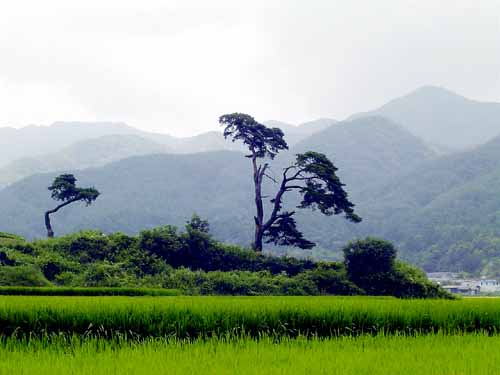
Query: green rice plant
point(365, 355)
point(192, 317)
point(97, 291)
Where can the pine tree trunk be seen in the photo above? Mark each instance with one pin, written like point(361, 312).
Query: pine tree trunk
point(259, 234)
point(50, 232)
point(259, 218)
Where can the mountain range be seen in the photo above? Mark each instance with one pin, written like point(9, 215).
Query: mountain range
point(442, 209)
point(82, 154)
point(442, 117)
point(78, 145)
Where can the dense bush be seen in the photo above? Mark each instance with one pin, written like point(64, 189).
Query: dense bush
point(22, 276)
point(8, 239)
point(5, 260)
point(408, 281)
point(371, 264)
point(197, 250)
point(314, 282)
point(330, 281)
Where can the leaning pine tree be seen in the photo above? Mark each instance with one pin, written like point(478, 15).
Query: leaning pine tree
point(64, 189)
point(312, 174)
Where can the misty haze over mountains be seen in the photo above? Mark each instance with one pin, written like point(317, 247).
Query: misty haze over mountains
point(423, 171)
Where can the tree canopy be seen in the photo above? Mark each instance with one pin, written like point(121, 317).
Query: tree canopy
point(64, 189)
point(261, 140)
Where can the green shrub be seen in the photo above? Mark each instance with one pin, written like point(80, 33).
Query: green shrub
point(22, 276)
point(163, 242)
point(69, 279)
point(371, 264)
point(331, 281)
point(8, 239)
point(4, 258)
point(316, 282)
point(53, 264)
point(196, 250)
point(104, 274)
point(410, 282)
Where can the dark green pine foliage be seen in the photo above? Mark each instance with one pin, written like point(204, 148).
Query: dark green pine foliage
point(261, 140)
point(323, 188)
point(64, 189)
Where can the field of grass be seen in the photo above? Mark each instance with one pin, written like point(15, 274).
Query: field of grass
point(191, 317)
point(248, 335)
point(373, 355)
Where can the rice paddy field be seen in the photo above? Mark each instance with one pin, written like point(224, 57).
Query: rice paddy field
point(426, 355)
point(248, 335)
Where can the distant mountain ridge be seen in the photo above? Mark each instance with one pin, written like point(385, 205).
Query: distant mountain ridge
point(83, 154)
point(442, 117)
point(39, 140)
point(36, 141)
point(76, 145)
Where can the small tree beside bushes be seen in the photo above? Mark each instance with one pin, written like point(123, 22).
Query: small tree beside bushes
point(371, 264)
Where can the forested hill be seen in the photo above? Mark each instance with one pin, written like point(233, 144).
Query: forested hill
point(369, 150)
point(441, 117)
point(446, 213)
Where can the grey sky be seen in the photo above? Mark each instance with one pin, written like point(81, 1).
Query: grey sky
point(175, 66)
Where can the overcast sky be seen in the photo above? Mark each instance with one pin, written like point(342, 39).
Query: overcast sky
point(175, 66)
